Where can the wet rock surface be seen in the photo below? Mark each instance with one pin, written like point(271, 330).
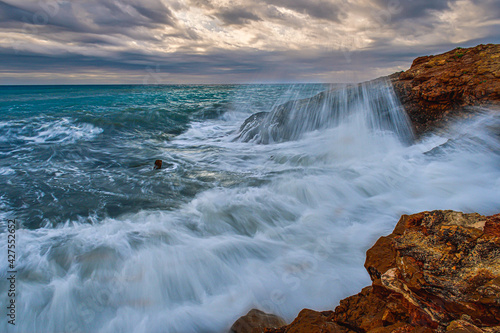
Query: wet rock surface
point(438, 271)
point(375, 102)
point(434, 91)
point(437, 88)
point(255, 321)
point(158, 164)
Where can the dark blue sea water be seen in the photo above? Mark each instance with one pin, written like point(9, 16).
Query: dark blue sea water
point(107, 244)
point(86, 152)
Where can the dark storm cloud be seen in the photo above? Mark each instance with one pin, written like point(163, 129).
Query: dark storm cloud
point(284, 39)
point(289, 65)
point(36, 18)
point(87, 16)
point(92, 39)
point(492, 7)
point(251, 65)
point(215, 63)
point(410, 9)
point(320, 9)
point(237, 16)
point(129, 13)
point(11, 13)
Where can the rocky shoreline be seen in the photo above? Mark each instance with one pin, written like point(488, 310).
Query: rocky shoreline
point(437, 271)
point(438, 88)
point(433, 92)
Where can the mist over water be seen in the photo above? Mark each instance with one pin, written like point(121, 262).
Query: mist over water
point(109, 245)
point(367, 106)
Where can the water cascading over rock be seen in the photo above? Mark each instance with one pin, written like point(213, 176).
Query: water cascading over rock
point(369, 106)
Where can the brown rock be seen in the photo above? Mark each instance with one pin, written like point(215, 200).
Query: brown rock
point(309, 321)
point(461, 326)
point(492, 225)
point(255, 321)
point(380, 257)
point(437, 87)
point(438, 271)
point(158, 164)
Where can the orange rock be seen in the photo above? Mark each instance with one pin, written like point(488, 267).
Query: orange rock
point(255, 321)
point(309, 321)
point(461, 326)
point(158, 164)
point(492, 226)
point(438, 271)
point(436, 87)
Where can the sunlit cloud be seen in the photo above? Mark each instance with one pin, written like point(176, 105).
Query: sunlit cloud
point(231, 41)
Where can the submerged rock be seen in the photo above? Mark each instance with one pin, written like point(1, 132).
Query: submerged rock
point(255, 321)
point(438, 271)
point(372, 104)
point(158, 164)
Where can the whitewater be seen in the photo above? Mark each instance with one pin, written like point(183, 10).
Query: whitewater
point(276, 214)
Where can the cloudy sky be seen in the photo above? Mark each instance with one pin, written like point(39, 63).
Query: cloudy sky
point(226, 41)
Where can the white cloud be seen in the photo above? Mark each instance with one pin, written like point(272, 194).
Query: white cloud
point(271, 33)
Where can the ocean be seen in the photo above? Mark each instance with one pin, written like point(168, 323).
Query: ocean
point(279, 220)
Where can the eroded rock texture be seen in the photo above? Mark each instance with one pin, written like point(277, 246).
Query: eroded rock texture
point(437, 87)
point(256, 321)
point(438, 271)
point(434, 91)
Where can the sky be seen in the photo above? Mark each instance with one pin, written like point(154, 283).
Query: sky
point(236, 41)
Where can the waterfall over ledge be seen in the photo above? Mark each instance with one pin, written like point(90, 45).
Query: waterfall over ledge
point(367, 107)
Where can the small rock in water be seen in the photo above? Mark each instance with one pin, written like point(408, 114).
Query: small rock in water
point(157, 164)
point(255, 321)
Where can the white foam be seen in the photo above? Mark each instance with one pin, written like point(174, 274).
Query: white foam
point(296, 240)
point(63, 130)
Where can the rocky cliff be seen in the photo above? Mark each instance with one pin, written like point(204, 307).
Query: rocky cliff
point(438, 87)
point(438, 271)
point(433, 91)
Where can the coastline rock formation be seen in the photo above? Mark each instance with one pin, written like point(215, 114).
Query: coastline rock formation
point(375, 102)
point(438, 271)
point(437, 87)
point(434, 90)
point(255, 321)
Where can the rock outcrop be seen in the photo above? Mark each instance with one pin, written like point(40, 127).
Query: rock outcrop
point(374, 102)
point(437, 87)
point(438, 271)
point(158, 164)
point(256, 321)
point(434, 90)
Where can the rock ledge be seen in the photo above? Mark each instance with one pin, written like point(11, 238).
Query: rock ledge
point(440, 86)
point(438, 271)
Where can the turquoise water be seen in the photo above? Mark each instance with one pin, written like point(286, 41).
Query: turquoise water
point(86, 152)
point(107, 244)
